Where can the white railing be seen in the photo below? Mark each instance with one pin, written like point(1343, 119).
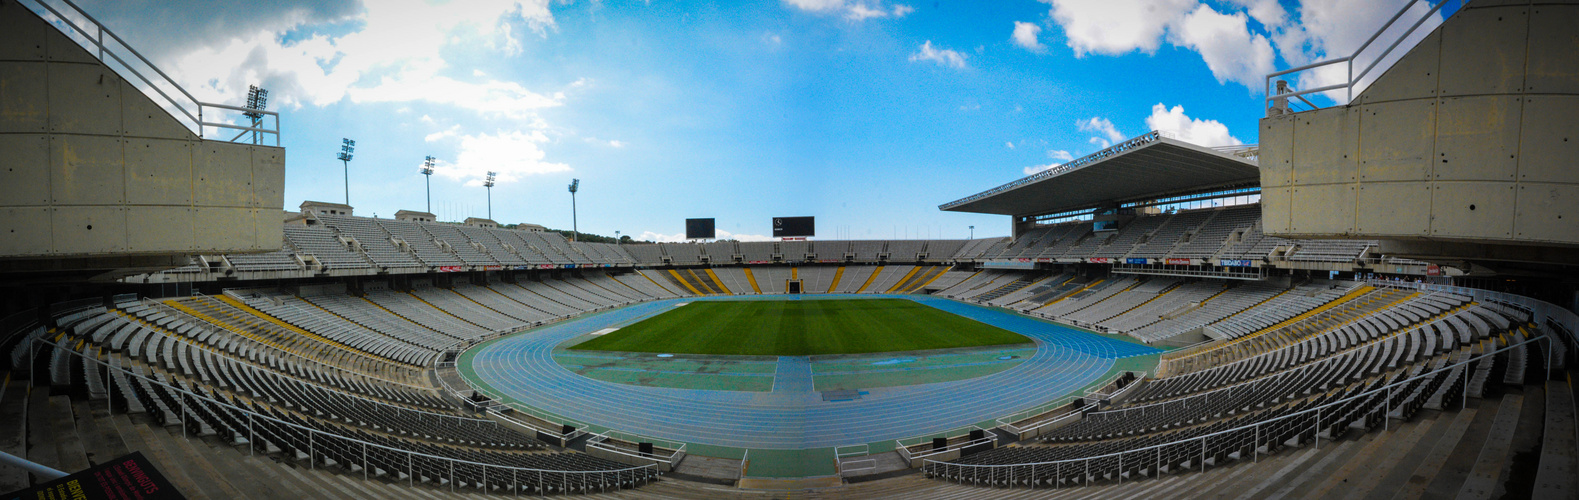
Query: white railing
point(903, 445)
point(1279, 95)
point(841, 453)
point(330, 446)
point(602, 442)
point(195, 115)
point(1009, 474)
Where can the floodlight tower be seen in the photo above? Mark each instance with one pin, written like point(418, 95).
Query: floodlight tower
point(575, 185)
point(489, 184)
point(427, 170)
point(347, 147)
point(257, 100)
point(973, 232)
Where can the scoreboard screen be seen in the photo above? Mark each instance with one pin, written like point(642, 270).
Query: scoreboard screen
point(791, 227)
point(699, 229)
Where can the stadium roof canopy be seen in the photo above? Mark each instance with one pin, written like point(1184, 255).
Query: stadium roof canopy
point(1146, 167)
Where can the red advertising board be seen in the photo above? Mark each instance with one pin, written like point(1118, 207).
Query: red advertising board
point(450, 269)
point(1099, 260)
point(1178, 262)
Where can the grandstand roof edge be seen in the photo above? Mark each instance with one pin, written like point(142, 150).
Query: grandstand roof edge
point(1137, 168)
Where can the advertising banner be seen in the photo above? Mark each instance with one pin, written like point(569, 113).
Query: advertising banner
point(1099, 260)
point(451, 269)
point(1236, 263)
point(1133, 260)
point(1179, 262)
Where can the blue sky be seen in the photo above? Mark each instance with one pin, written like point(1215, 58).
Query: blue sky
point(864, 113)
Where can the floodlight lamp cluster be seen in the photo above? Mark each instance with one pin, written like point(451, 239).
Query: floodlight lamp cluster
point(575, 184)
point(489, 182)
point(427, 166)
point(347, 148)
point(257, 99)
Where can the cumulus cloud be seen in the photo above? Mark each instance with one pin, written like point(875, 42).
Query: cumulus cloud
point(1025, 36)
point(1196, 131)
point(1107, 134)
point(680, 237)
point(1225, 42)
point(1033, 169)
point(945, 57)
point(852, 10)
point(396, 55)
point(1269, 13)
point(1114, 27)
point(600, 142)
point(1059, 154)
point(513, 154)
point(1009, 145)
point(1335, 28)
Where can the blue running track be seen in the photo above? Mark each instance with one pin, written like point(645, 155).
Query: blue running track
point(792, 416)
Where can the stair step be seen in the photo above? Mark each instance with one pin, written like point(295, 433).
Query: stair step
point(1558, 472)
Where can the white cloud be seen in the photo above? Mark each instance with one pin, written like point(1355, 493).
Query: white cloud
point(400, 42)
point(680, 237)
point(442, 134)
point(1108, 133)
point(945, 57)
point(852, 10)
point(1225, 42)
point(1038, 168)
point(1009, 145)
point(610, 143)
point(1335, 28)
point(1059, 154)
point(1192, 130)
point(513, 154)
point(1114, 27)
point(1269, 13)
point(1025, 36)
point(772, 39)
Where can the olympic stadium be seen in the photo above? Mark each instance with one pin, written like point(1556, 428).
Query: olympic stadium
point(1371, 302)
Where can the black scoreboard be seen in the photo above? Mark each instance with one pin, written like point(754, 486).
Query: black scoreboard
point(793, 227)
point(699, 229)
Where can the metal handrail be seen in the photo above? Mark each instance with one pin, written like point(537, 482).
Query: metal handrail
point(252, 416)
point(1353, 79)
point(44, 472)
point(194, 122)
point(933, 464)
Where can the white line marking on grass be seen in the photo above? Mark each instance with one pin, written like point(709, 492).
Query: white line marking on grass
point(604, 331)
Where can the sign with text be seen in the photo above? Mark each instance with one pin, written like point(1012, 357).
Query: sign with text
point(785, 227)
point(130, 476)
point(1235, 263)
point(1179, 262)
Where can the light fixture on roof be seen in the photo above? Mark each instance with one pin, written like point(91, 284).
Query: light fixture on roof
point(427, 170)
point(489, 184)
point(347, 147)
point(575, 185)
point(257, 101)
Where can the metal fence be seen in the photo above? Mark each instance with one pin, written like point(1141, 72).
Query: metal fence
point(1279, 95)
point(197, 116)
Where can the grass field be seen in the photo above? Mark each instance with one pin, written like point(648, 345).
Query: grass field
point(801, 328)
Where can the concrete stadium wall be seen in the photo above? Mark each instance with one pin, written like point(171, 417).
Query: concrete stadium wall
point(90, 166)
point(1473, 136)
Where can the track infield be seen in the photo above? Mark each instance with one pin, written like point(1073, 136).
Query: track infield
point(801, 328)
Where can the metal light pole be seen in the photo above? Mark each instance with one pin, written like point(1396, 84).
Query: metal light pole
point(973, 232)
point(489, 184)
point(575, 185)
point(427, 170)
point(616, 237)
point(347, 147)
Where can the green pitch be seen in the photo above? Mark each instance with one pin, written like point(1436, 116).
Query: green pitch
point(801, 328)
